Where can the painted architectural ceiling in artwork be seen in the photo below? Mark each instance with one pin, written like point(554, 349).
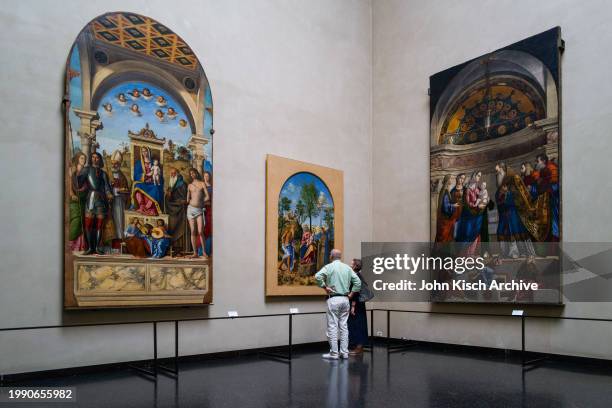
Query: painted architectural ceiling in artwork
point(143, 35)
point(491, 110)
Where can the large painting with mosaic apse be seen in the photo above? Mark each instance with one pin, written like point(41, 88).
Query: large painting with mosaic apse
point(138, 168)
point(495, 164)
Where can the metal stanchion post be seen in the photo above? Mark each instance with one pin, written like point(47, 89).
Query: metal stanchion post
point(176, 345)
point(372, 323)
point(388, 328)
point(372, 330)
point(152, 372)
point(290, 336)
point(523, 339)
point(155, 348)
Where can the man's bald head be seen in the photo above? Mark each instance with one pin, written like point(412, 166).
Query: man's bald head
point(335, 254)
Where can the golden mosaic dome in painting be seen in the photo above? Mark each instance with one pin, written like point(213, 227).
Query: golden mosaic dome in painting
point(491, 110)
point(143, 35)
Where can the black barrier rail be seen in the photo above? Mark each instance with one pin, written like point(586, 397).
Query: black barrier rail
point(286, 358)
point(152, 370)
point(191, 319)
point(370, 347)
point(527, 365)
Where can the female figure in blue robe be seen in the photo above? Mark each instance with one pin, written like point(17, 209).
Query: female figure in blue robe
point(470, 222)
point(447, 214)
point(147, 196)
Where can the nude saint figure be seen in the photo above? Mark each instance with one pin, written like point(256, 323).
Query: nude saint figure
point(197, 194)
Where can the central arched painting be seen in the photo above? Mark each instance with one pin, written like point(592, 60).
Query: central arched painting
point(305, 228)
point(139, 173)
point(304, 223)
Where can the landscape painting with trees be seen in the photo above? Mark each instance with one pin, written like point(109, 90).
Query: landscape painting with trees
point(304, 223)
point(305, 229)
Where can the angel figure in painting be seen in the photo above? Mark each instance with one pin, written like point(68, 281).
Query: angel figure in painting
point(121, 99)
point(108, 108)
point(159, 240)
point(135, 94)
point(161, 101)
point(171, 113)
point(146, 94)
point(135, 110)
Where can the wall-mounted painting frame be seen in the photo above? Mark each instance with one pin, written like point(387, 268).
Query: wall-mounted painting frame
point(304, 221)
point(138, 137)
point(495, 166)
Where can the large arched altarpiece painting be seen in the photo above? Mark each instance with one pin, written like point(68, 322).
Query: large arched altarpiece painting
point(138, 168)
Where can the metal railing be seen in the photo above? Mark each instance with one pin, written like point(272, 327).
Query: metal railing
point(287, 357)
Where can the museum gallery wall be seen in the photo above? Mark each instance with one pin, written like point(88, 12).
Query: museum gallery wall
point(304, 222)
point(138, 168)
point(495, 164)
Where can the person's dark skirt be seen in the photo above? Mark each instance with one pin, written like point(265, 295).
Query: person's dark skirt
point(358, 326)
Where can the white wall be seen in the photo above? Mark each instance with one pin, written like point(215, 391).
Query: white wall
point(414, 39)
point(291, 78)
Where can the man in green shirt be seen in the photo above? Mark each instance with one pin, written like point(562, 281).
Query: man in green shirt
point(336, 278)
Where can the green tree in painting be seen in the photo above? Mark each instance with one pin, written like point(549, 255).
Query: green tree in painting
point(300, 211)
point(328, 217)
point(284, 205)
point(310, 196)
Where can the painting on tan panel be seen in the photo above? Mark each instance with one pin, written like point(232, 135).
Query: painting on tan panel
point(304, 222)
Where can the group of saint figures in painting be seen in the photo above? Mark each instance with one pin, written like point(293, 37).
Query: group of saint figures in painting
point(110, 213)
point(305, 228)
point(527, 205)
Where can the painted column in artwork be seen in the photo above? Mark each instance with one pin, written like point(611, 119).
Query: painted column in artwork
point(551, 129)
point(90, 123)
point(196, 145)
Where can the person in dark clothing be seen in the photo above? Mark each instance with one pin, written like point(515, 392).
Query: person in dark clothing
point(358, 321)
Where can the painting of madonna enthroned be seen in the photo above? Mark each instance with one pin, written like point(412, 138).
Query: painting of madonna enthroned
point(138, 168)
point(495, 167)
